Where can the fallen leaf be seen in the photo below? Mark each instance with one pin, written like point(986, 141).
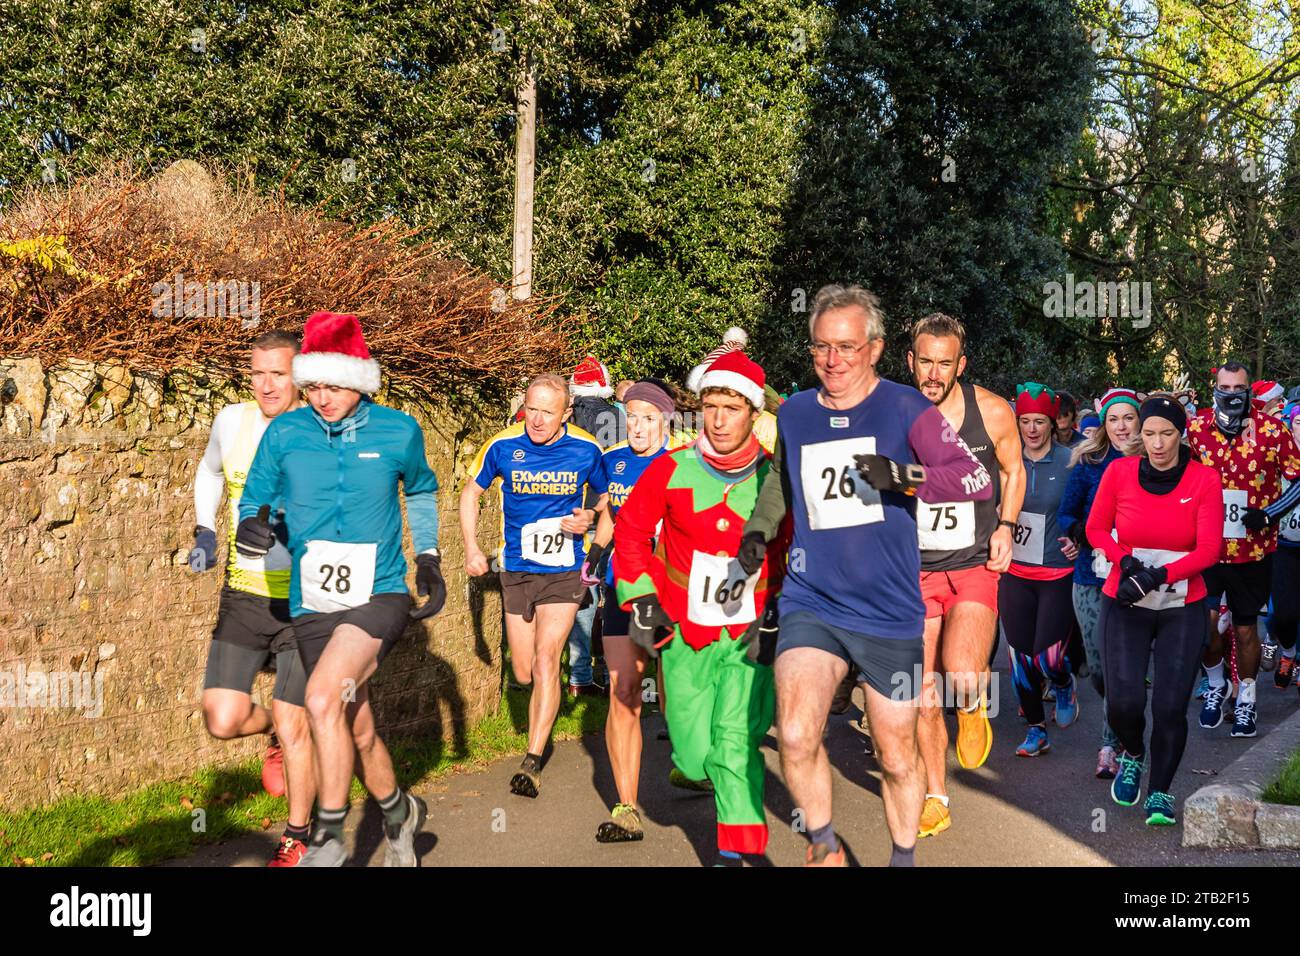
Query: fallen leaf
point(472, 793)
point(266, 823)
point(18, 861)
point(28, 861)
point(187, 803)
point(46, 857)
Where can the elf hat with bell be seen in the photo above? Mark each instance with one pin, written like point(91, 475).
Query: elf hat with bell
point(334, 353)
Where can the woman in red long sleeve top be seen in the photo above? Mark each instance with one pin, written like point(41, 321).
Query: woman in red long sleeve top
point(1166, 511)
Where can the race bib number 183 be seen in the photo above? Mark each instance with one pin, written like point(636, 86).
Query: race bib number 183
point(1234, 505)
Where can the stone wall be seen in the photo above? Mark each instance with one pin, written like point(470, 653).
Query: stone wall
point(104, 630)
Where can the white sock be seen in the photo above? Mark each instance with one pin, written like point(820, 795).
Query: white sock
point(938, 796)
point(1215, 673)
point(1288, 651)
point(1246, 695)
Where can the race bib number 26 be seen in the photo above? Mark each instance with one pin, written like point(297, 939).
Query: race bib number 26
point(835, 496)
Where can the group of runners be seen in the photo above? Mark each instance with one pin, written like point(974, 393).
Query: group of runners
point(769, 556)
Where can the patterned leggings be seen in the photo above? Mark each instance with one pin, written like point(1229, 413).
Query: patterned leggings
point(1087, 610)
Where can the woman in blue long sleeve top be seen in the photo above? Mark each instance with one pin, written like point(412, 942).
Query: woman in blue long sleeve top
point(1119, 425)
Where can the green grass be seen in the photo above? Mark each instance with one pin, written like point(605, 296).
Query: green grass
point(1286, 788)
point(158, 823)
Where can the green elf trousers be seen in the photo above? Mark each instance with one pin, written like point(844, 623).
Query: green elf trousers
point(719, 706)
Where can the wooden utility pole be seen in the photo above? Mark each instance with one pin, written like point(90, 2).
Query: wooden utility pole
point(525, 156)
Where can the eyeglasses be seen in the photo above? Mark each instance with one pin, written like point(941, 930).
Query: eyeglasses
point(824, 349)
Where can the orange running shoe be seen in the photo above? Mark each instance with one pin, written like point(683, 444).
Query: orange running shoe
point(819, 854)
point(974, 736)
point(289, 853)
point(273, 769)
point(935, 817)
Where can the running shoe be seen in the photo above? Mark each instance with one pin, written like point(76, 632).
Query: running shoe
point(1267, 655)
point(401, 839)
point(273, 768)
point(683, 782)
point(1035, 743)
point(1160, 809)
point(1107, 765)
point(935, 817)
point(623, 825)
point(819, 854)
point(1049, 692)
point(1284, 673)
point(1067, 704)
point(324, 850)
point(974, 736)
point(1202, 687)
point(588, 690)
point(1243, 719)
point(1216, 704)
point(1126, 788)
point(526, 783)
point(289, 852)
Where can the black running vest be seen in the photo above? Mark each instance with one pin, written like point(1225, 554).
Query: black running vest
point(955, 536)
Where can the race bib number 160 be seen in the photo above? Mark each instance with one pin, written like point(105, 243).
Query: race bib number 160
point(834, 494)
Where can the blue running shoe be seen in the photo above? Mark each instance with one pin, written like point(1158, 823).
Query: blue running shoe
point(1243, 719)
point(1160, 809)
point(1212, 711)
point(1202, 687)
point(1067, 704)
point(1127, 785)
point(1036, 743)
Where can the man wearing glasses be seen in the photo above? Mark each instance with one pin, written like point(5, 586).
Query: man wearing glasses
point(851, 456)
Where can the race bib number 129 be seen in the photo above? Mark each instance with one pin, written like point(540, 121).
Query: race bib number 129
point(545, 542)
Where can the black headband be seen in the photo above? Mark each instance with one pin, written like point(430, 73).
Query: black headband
point(1159, 406)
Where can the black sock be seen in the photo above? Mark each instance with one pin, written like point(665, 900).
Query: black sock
point(901, 857)
point(331, 821)
point(825, 835)
point(301, 834)
point(729, 858)
point(396, 808)
point(532, 763)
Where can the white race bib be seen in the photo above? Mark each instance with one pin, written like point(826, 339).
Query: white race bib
point(544, 542)
point(1027, 538)
point(945, 526)
point(833, 492)
point(1234, 505)
point(1101, 565)
point(1290, 526)
point(719, 592)
point(1167, 595)
point(336, 575)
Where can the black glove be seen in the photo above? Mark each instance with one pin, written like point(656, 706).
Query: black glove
point(1137, 580)
point(1079, 535)
point(591, 567)
point(753, 548)
point(428, 580)
point(1256, 519)
point(885, 474)
point(648, 616)
point(204, 553)
point(254, 537)
point(760, 636)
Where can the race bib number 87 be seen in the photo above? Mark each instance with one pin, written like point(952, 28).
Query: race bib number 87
point(1027, 538)
point(336, 575)
point(834, 494)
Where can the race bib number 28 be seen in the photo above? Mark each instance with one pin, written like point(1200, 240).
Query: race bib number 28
point(337, 575)
point(834, 494)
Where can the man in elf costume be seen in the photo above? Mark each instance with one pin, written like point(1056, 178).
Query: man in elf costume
point(676, 539)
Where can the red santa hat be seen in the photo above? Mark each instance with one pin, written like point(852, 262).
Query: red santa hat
point(334, 353)
point(733, 340)
point(1266, 390)
point(738, 372)
point(591, 378)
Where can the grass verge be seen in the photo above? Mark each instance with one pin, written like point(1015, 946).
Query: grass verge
point(174, 818)
point(1286, 788)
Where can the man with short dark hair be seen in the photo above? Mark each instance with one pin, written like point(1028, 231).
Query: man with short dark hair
point(1067, 420)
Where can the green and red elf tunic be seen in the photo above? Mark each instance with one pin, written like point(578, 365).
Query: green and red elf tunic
point(676, 537)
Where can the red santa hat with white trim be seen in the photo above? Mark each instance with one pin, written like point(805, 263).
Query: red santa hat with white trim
point(334, 353)
point(733, 340)
point(591, 378)
point(1266, 390)
point(738, 372)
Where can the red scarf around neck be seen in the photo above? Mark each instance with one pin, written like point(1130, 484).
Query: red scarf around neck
point(741, 458)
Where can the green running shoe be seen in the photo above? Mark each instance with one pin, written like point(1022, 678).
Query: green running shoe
point(1160, 809)
point(1127, 785)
